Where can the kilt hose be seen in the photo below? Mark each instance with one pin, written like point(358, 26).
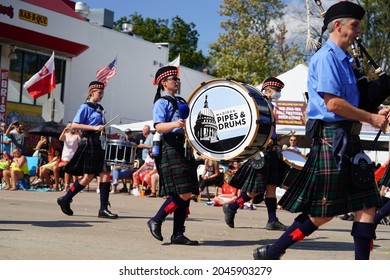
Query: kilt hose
point(321, 190)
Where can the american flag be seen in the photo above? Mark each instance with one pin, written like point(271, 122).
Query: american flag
point(107, 72)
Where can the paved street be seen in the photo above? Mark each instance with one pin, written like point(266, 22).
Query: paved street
point(32, 227)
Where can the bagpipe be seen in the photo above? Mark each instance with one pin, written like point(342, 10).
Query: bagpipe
point(374, 92)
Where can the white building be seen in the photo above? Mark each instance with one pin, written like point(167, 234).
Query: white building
point(33, 29)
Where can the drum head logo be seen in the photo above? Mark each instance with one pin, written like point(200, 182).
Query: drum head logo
point(222, 116)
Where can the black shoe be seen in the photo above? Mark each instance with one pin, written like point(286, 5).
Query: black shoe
point(344, 217)
point(276, 225)
point(351, 217)
point(261, 254)
point(65, 206)
point(182, 240)
point(229, 215)
point(107, 214)
point(155, 229)
point(124, 190)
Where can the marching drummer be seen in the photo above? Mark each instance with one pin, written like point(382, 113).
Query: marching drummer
point(177, 174)
point(88, 161)
point(260, 175)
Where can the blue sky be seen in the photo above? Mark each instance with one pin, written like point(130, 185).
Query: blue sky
point(203, 13)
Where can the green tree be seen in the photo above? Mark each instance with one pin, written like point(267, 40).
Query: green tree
point(182, 37)
point(254, 45)
point(376, 33)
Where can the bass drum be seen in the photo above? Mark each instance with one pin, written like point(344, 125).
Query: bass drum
point(228, 120)
point(293, 163)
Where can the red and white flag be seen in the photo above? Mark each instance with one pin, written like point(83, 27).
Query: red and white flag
point(107, 72)
point(176, 62)
point(42, 82)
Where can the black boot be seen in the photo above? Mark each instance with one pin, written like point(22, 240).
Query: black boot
point(107, 214)
point(155, 229)
point(229, 215)
point(261, 254)
point(65, 206)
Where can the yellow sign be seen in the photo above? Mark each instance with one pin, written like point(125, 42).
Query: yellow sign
point(33, 17)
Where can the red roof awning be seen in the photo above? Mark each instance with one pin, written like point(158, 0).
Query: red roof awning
point(33, 38)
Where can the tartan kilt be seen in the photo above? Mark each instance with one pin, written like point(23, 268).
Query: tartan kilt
point(88, 158)
point(177, 173)
point(321, 190)
point(252, 180)
point(385, 180)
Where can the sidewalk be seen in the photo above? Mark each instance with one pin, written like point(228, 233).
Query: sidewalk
point(33, 227)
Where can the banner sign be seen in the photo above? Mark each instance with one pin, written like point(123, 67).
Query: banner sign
point(290, 112)
point(3, 94)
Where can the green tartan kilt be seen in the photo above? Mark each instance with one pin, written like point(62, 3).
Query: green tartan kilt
point(251, 180)
point(177, 174)
point(321, 190)
point(385, 180)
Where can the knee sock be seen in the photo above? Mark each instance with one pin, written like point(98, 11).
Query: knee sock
point(271, 204)
point(363, 236)
point(381, 213)
point(168, 207)
point(74, 189)
point(180, 216)
point(301, 227)
point(104, 194)
point(239, 202)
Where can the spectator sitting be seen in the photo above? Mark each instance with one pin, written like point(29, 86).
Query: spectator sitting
point(121, 172)
point(18, 170)
point(47, 169)
point(229, 194)
point(211, 175)
point(42, 149)
point(154, 179)
point(140, 176)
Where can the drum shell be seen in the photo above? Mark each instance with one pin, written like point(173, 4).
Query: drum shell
point(118, 152)
point(290, 167)
point(228, 120)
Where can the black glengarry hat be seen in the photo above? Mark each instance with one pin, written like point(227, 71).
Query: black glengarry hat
point(343, 9)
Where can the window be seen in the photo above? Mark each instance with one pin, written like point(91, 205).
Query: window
point(23, 68)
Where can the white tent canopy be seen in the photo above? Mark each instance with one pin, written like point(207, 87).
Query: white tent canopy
point(138, 126)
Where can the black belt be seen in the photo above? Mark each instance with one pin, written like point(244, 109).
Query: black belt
point(174, 138)
point(352, 128)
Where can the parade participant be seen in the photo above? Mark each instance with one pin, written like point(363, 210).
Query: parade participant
point(384, 184)
point(254, 180)
point(325, 187)
point(177, 175)
point(88, 160)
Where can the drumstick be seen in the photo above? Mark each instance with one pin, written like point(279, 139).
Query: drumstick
point(113, 119)
point(104, 126)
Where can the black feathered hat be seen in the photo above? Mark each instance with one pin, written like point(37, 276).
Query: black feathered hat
point(272, 82)
point(95, 85)
point(165, 72)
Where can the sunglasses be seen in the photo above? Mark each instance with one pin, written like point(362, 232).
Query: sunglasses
point(175, 79)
